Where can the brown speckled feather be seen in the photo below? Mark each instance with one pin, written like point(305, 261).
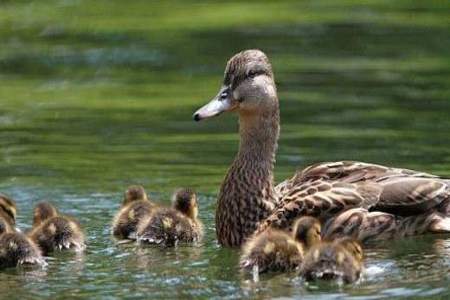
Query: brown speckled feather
point(323, 190)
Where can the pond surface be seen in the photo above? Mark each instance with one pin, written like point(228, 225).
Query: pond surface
point(97, 95)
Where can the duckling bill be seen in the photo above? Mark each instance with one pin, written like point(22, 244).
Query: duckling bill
point(169, 226)
point(52, 231)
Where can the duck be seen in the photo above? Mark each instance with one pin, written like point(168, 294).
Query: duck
point(248, 199)
point(53, 231)
point(366, 226)
point(16, 248)
point(340, 260)
point(170, 226)
point(8, 209)
point(278, 250)
point(135, 207)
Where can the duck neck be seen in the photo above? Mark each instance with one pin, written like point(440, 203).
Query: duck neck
point(247, 194)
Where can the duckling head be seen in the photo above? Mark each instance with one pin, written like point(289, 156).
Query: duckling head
point(42, 212)
point(185, 201)
point(353, 247)
point(134, 193)
point(248, 87)
point(307, 230)
point(8, 206)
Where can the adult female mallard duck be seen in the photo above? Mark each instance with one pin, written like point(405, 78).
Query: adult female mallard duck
point(52, 231)
point(248, 199)
point(16, 248)
point(277, 250)
point(168, 226)
point(340, 260)
point(135, 207)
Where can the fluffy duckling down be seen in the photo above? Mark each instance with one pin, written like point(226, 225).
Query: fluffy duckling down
point(170, 226)
point(16, 248)
point(135, 207)
point(276, 250)
point(340, 260)
point(52, 231)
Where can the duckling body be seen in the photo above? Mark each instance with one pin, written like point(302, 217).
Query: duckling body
point(171, 226)
point(135, 207)
point(52, 231)
point(340, 260)
point(276, 250)
point(16, 248)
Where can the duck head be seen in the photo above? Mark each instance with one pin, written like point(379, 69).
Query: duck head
point(307, 230)
point(185, 201)
point(42, 212)
point(248, 87)
point(134, 193)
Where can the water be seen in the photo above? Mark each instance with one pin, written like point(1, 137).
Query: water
point(95, 96)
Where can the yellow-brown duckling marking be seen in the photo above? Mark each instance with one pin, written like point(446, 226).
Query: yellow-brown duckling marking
point(177, 224)
point(340, 260)
point(276, 250)
point(16, 248)
point(52, 231)
point(135, 207)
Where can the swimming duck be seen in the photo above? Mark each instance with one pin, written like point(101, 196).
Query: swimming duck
point(16, 248)
point(135, 207)
point(52, 231)
point(249, 201)
point(8, 209)
point(277, 250)
point(339, 260)
point(168, 226)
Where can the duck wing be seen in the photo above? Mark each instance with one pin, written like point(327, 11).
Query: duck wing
point(325, 189)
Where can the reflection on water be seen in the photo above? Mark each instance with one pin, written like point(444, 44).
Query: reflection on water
point(92, 102)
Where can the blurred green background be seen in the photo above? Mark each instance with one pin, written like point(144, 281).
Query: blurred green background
point(96, 95)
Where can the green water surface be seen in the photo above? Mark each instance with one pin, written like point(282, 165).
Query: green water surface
point(97, 95)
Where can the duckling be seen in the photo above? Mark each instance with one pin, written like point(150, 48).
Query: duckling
point(177, 224)
point(52, 231)
point(135, 207)
point(16, 248)
point(340, 260)
point(276, 250)
point(8, 209)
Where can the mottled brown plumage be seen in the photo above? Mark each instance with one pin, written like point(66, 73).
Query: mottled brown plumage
point(8, 209)
point(277, 250)
point(52, 231)
point(169, 226)
point(16, 248)
point(247, 196)
point(135, 207)
point(340, 260)
point(363, 225)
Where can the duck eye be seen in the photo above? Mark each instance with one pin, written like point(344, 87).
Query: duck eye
point(224, 95)
point(251, 73)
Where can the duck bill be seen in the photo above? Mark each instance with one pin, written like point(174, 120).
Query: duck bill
point(214, 108)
